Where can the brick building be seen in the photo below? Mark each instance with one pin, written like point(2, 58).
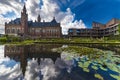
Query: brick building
point(98, 30)
point(23, 27)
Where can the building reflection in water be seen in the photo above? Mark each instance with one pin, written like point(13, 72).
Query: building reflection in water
point(38, 62)
point(24, 53)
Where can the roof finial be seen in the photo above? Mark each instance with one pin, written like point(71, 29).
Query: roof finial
point(54, 17)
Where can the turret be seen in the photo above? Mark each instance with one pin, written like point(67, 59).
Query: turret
point(38, 18)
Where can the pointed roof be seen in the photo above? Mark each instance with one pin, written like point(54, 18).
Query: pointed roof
point(39, 18)
point(54, 20)
point(24, 8)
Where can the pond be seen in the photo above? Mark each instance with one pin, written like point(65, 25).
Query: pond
point(46, 62)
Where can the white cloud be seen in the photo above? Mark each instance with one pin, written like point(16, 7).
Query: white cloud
point(12, 70)
point(47, 68)
point(2, 22)
point(10, 73)
point(48, 10)
point(33, 8)
point(1, 52)
point(68, 21)
point(8, 6)
point(32, 70)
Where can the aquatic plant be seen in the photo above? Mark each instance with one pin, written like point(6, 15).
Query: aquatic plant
point(84, 65)
point(117, 77)
point(98, 59)
point(99, 76)
point(95, 67)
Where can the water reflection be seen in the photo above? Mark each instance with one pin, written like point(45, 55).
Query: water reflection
point(25, 53)
point(38, 62)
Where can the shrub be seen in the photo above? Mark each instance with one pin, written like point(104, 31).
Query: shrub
point(3, 39)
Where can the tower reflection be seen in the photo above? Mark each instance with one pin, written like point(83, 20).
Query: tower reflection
point(23, 53)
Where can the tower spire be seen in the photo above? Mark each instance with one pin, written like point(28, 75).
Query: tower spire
point(24, 9)
point(39, 18)
point(24, 20)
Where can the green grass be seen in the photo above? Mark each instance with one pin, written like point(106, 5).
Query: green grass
point(18, 40)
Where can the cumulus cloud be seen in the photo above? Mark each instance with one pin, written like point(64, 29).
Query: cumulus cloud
point(47, 70)
point(8, 6)
point(69, 22)
point(10, 73)
point(35, 71)
point(1, 52)
point(2, 21)
point(33, 8)
point(32, 71)
point(48, 10)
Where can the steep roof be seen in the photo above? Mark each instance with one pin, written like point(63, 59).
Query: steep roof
point(16, 21)
point(42, 24)
point(54, 20)
point(53, 23)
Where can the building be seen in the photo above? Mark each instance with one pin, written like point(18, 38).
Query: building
point(97, 30)
point(23, 27)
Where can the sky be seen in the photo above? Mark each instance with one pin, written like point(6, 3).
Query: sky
point(70, 13)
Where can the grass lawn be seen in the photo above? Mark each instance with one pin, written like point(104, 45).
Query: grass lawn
point(17, 40)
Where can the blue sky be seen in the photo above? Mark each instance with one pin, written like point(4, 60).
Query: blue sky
point(94, 10)
point(68, 12)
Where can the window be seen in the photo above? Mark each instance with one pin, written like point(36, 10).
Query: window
point(8, 30)
point(70, 30)
point(43, 31)
point(30, 30)
point(37, 30)
point(18, 30)
point(78, 31)
point(13, 30)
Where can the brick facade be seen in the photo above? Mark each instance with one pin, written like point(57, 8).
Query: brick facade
point(23, 27)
